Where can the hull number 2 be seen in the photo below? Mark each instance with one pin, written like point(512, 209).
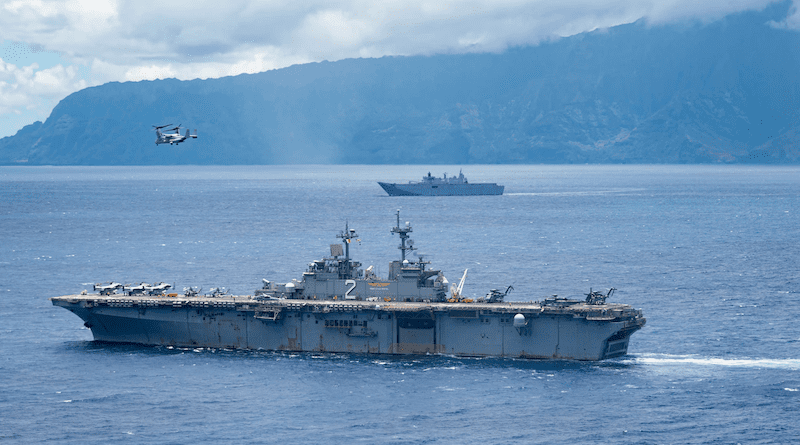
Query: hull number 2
point(352, 285)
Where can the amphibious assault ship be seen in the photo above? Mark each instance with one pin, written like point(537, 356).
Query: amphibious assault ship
point(339, 307)
point(444, 186)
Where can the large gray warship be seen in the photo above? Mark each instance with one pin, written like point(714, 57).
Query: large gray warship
point(339, 307)
point(444, 186)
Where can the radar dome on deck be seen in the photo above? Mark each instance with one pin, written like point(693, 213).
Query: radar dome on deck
point(519, 321)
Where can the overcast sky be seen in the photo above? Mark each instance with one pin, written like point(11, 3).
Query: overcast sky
point(53, 48)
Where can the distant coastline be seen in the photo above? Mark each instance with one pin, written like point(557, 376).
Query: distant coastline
point(592, 98)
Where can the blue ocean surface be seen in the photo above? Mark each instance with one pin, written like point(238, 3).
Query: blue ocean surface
point(709, 253)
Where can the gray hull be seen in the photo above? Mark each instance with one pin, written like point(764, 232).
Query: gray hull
point(577, 332)
point(420, 189)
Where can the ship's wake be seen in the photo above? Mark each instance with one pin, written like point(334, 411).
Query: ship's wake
point(578, 193)
point(693, 360)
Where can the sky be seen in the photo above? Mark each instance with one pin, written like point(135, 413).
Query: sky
point(50, 49)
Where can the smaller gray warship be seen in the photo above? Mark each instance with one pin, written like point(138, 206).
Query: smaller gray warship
point(338, 307)
point(444, 186)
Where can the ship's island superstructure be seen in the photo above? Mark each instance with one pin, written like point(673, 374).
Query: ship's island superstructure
point(338, 307)
point(444, 186)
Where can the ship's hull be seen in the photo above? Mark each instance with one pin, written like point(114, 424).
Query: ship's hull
point(576, 333)
point(421, 189)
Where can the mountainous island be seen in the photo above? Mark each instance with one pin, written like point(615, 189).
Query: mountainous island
point(720, 92)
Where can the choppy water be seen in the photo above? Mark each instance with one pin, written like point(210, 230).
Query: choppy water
point(709, 253)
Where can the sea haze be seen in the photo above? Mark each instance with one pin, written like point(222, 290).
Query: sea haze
point(709, 253)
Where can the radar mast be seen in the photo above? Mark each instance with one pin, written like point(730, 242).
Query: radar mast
point(403, 232)
point(346, 236)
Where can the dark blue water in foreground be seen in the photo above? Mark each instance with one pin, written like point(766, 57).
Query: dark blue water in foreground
point(710, 254)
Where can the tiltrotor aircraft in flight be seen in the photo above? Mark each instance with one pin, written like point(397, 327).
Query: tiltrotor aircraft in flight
point(172, 138)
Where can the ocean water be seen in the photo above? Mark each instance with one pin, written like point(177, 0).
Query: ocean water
point(710, 253)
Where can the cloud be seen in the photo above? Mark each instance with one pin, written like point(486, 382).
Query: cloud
point(148, 33)
point(792, 21)
point(29, 93)
point(120, 40)
point(32, 88)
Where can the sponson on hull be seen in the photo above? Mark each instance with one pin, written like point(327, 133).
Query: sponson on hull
point(339, 307)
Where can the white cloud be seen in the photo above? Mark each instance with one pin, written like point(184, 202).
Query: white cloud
point(119, 40)
point(31, 88)
point(29, 93)
point(792, 21)
point(336, 29)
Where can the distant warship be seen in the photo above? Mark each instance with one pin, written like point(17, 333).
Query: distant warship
point(338, 307)
point(444, 186)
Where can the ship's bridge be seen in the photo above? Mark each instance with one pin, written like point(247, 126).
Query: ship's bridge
point(339, 277)
point(333, 269)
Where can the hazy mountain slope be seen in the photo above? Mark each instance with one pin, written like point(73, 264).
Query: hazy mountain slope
point(721, 92)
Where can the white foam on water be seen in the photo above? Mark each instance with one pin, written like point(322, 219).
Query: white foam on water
point(574, 193)
point(670, 360)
